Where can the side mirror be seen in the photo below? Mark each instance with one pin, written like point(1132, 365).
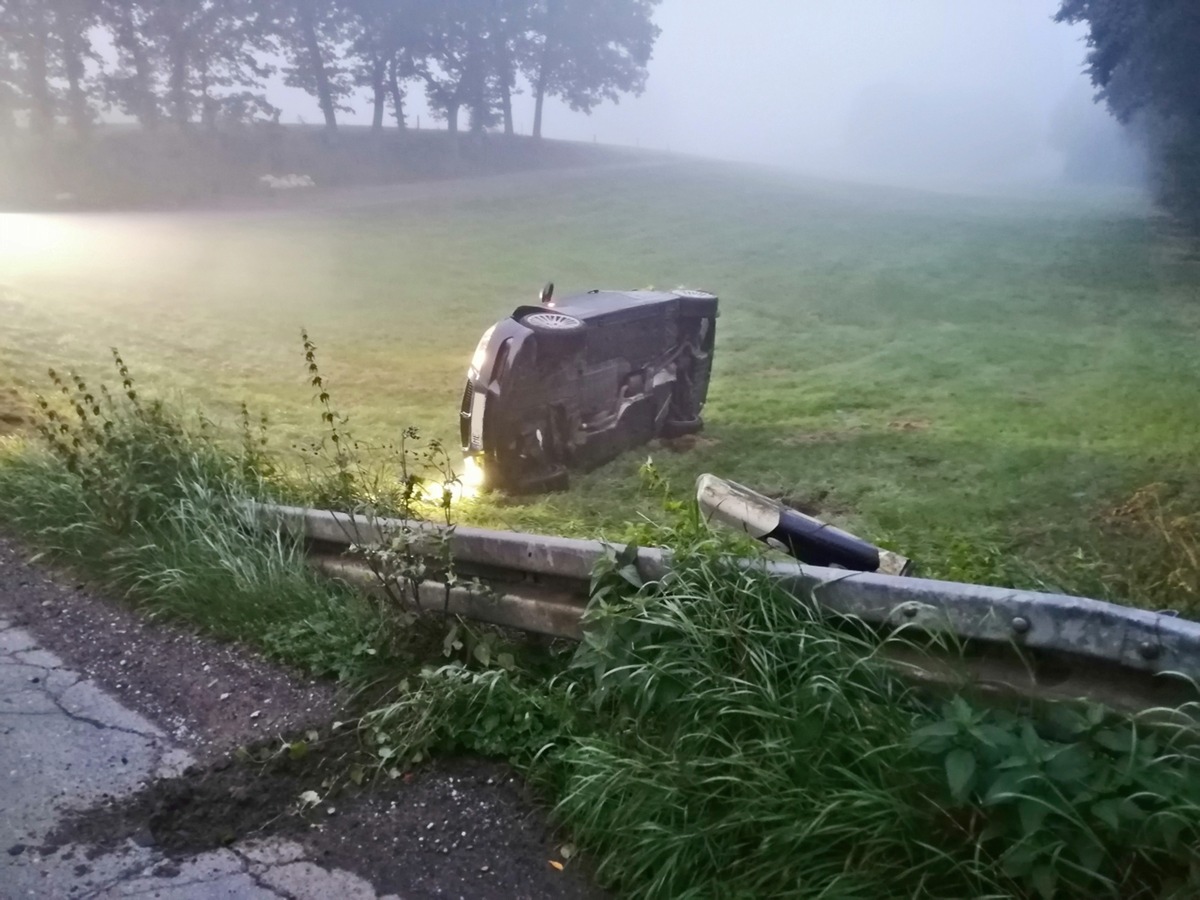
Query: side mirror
point(547, 296)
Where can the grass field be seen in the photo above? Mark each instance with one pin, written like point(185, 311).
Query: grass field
point(973, 379)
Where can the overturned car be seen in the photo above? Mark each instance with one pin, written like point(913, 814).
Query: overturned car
point(572, 383)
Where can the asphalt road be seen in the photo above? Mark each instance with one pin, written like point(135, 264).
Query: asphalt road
point(65, 743)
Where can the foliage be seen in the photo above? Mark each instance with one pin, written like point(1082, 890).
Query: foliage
point(587, 51)
point(312, 33)
point(389, 45)
point(1143, 60)
point(1077, 801)
point(189, 60)
point(156, 506)
point(209, 59)
point(714, 737)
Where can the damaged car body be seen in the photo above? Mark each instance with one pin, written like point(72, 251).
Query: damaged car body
point(572, 383)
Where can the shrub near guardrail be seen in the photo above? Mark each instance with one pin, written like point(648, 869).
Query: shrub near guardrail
point(153, 504)
point(714, 737)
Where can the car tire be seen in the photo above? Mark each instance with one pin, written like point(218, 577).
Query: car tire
point(552, 323)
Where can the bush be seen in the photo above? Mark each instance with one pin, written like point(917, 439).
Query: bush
point(714, 736)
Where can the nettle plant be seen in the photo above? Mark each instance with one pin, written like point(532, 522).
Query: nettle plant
point(1072, 799)
point(407, 493)
point(414, 551)
point(126, 453)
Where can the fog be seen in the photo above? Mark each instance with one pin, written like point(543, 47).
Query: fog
point(970, 91)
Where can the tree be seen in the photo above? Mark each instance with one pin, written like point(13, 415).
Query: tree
point(510, 27)
point(132, 85)
point(456, 75)
point(313, 34)
point(11, 77)
point(588, 51)
point(227, 61)
point(33, 41)
point(1144, 57)
point(390, 36)
point(205, 55)
point(71, 23)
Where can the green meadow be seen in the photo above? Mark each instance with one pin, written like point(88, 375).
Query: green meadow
point(974, 380)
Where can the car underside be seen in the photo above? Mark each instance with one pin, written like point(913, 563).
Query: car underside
point(571, 384)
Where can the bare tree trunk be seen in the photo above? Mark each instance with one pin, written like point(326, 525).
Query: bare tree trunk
point(145, 105)
point(540, 87)
point(452, 117)
point(208, 103)
point(8, 96)
point(545, 66)
point(313, 45)
point(475, 80)
point(504, 71)
point(379, 92)
point(177, 92)
point(69, 25)
point(539, 103)
point(506, 103)
point(37, 74)
point(397, 95)
point(77, 96)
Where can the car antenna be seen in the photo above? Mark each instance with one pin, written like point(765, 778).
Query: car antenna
point(548, 294)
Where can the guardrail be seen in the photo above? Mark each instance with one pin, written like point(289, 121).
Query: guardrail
point(1048, 644)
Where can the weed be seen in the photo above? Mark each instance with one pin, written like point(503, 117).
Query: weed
point(337, 447)
point(1157, 558)
point(713, 736)
point(155, 506)
point(1072, 799)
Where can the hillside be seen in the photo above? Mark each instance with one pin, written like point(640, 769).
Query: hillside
point(124, 167)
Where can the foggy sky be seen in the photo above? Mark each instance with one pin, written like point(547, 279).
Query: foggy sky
point(901, 90)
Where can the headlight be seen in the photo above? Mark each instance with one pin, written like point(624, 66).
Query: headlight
point(472, 476)
point(480, 356)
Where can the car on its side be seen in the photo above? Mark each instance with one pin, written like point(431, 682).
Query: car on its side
point(572, 383)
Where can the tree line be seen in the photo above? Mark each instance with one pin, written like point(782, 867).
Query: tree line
point(1144, 58)
point(205, 62)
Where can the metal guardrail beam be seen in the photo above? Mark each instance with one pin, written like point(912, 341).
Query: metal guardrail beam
point(1092, 631)
point(540, 612)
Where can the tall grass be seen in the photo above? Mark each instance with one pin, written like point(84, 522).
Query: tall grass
point(716, 737)
point(154, 506)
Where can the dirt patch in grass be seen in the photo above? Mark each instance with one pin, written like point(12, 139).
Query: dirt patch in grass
point(909, 425)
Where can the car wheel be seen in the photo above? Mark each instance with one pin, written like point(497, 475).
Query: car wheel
point(551, 322)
